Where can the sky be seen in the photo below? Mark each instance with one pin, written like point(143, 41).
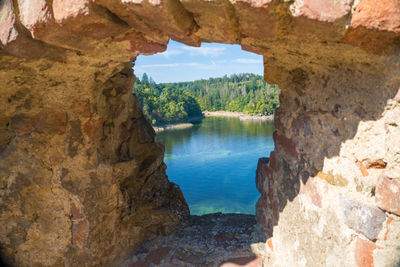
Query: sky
point(184, 63)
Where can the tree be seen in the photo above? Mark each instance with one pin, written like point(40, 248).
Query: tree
point(177, 102)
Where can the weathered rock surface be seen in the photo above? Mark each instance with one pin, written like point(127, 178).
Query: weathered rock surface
point(208, 240)
point(82, 181)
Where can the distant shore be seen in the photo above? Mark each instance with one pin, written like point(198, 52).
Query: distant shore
point(226, 114)
point(172, 126)
point(177, 126)
point(240, 115)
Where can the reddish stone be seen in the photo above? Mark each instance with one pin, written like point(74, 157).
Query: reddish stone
point(363, 169)
point(80, 232)
point(287, 145)
point(311, 189)
point(140, 44)
point(377, 42)
point(364, 252)
point(47, 121)
point(71, 24)
point(383, 15)
point(272, 160)
point(269, 243)
point(8, 31)
point(34, 14)
point(13, 37)
point(76, 212)
point(92, 128)
point(379, 164)
point(251, 261)
point(50, 121)
point(387, 195)
point(388, 222)
point(157, 255)
point(327, 10)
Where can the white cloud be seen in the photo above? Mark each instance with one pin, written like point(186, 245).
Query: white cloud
point(177, 65)
point(170, 53)
point(159, 66)
point(248, 61)
point(204, 51)
point(192, 64)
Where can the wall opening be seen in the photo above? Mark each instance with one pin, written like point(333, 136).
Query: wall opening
point(213, 158)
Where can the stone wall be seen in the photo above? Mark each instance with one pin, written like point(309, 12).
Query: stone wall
point(330, 188)
point(83, 182)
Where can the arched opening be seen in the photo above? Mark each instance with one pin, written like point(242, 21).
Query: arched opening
point(213, 111)
point(212, 154)
point(82, 180)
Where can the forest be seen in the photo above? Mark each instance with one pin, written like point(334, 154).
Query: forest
point(165, 103)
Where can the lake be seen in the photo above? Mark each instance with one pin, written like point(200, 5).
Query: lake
point(215, 163)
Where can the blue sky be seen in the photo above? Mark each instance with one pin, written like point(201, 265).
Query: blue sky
point(184, 63)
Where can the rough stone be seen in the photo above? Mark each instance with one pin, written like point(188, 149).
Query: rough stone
point(383, 15)
point(200, 242)
point(362, 219)
point(364, 253)
point(333, 179)
point(78, 161)
point(329, 11)
point(286, 144)
point(243, 261)
point(388, 195)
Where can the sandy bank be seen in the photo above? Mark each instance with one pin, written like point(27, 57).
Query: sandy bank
point(239, 115)
point(177, 126)
point(172, 126)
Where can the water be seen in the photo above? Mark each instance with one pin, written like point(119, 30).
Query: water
point(215, 163)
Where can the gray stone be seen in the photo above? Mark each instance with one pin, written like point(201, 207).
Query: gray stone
point(361, 218)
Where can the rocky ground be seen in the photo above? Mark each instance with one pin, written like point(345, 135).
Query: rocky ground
point(208, 240)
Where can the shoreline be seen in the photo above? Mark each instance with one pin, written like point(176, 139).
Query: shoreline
point(178, 125)
point(206, 114)
point(240, 115)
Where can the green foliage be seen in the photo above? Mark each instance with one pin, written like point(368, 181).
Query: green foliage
point(165, 104)
point(176, 102)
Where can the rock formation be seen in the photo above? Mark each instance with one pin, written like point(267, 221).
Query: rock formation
point(82, 181)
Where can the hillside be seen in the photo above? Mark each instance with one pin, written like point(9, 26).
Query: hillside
point(177, 102)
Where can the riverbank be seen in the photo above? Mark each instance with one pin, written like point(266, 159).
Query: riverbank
point(240, 115)
point(172, 126)
point(178, 126)
point(224, 114)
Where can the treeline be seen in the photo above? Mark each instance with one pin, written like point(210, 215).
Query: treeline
point(175, 102)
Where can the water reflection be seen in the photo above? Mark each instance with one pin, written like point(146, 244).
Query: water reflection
point(215, 162)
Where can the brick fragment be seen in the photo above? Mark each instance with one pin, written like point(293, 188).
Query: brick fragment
point(364, 253)
point(387, 195)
